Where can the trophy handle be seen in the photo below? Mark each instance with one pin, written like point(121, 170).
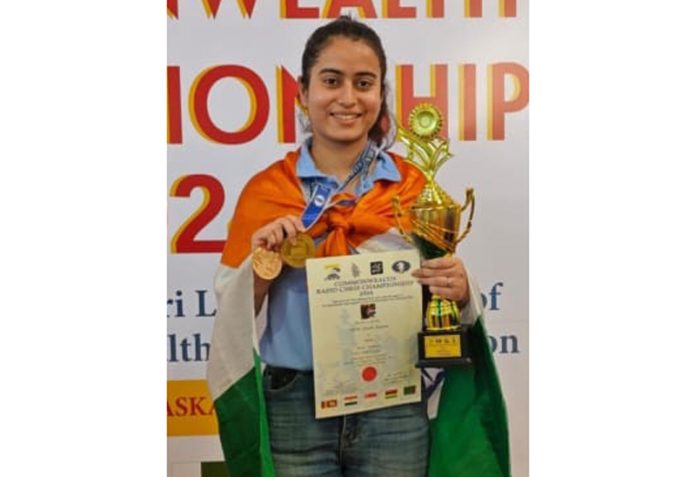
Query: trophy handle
point(398, 213)
point(470, 202)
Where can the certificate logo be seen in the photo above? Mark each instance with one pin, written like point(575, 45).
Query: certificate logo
point(376, 268)
point(401, 266)
point(333, 272)
point(409, 390)
point(391, 393)
point(370, 395)
point(355, 270)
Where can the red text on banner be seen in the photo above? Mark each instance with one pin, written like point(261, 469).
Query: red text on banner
point(297, 9)
point(506, 91)
point(498, 104)
point(258, 102)
point(184, 240)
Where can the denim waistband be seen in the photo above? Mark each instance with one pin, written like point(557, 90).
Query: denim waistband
point(281, 370)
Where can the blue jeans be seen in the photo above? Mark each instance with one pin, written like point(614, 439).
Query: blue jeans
point(389, 442)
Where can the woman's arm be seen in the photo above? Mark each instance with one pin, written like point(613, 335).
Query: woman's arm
point(270, 236)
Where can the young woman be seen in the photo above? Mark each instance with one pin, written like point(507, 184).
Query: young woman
point(343, 93)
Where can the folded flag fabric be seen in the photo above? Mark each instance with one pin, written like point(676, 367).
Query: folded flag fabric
point(469, 437)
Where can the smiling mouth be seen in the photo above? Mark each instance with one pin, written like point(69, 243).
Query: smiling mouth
point(346, 116)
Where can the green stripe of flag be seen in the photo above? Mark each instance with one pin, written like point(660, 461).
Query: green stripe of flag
point(241, 412)
point(470, 435)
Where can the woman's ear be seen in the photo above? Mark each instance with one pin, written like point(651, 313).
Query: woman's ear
point(302, 94)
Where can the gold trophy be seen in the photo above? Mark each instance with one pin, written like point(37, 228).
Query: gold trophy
point(435, 217)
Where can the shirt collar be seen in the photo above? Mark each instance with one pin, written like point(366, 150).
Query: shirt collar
point(385, 168)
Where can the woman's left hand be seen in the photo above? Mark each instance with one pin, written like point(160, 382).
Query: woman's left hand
point(446, 277)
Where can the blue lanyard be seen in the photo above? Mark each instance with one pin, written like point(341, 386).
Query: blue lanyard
point(322, 195)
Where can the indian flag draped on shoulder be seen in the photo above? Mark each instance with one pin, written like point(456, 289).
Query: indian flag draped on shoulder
point(469, 435)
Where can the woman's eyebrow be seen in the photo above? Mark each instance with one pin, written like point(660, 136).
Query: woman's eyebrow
point(331, 70)
point(339, 72)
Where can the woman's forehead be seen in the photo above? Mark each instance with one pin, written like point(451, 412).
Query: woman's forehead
point(341, 54)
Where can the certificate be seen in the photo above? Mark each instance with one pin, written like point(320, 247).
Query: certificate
point(365, 313)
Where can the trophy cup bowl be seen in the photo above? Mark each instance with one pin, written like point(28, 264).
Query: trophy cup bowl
point(435, 218)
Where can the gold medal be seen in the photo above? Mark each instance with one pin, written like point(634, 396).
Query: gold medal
point(296, 254)
point(266, 263)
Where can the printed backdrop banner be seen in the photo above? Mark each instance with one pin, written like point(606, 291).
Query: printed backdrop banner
point(231, 111)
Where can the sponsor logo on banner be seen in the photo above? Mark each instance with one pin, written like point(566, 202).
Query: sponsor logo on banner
point(190, 410)
point(409, 390)
point(370, 395)
point(391, 393)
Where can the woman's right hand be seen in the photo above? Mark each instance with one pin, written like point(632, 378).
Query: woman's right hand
point(271, 235)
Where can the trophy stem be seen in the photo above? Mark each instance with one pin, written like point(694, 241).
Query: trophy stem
point(442, 314)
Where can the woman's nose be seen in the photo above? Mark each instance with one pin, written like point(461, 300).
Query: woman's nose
point(347, 96)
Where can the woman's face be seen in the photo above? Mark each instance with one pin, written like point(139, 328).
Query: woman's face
point(344, 95)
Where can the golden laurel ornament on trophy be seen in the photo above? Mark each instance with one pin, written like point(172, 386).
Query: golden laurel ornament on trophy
point(435, 217)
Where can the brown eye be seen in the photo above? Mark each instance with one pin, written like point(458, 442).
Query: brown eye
point(364, 84)
point(330, 81)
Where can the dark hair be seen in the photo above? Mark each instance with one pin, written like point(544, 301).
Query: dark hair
point(348, 27)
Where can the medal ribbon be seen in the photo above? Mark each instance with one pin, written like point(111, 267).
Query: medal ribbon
point(321, 198)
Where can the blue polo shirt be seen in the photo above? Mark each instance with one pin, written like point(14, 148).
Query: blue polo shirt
point(286, 341)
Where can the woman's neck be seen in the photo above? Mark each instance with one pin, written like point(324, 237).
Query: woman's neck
point(336, 160)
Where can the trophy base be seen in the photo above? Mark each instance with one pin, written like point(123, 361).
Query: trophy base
point(443, 348)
